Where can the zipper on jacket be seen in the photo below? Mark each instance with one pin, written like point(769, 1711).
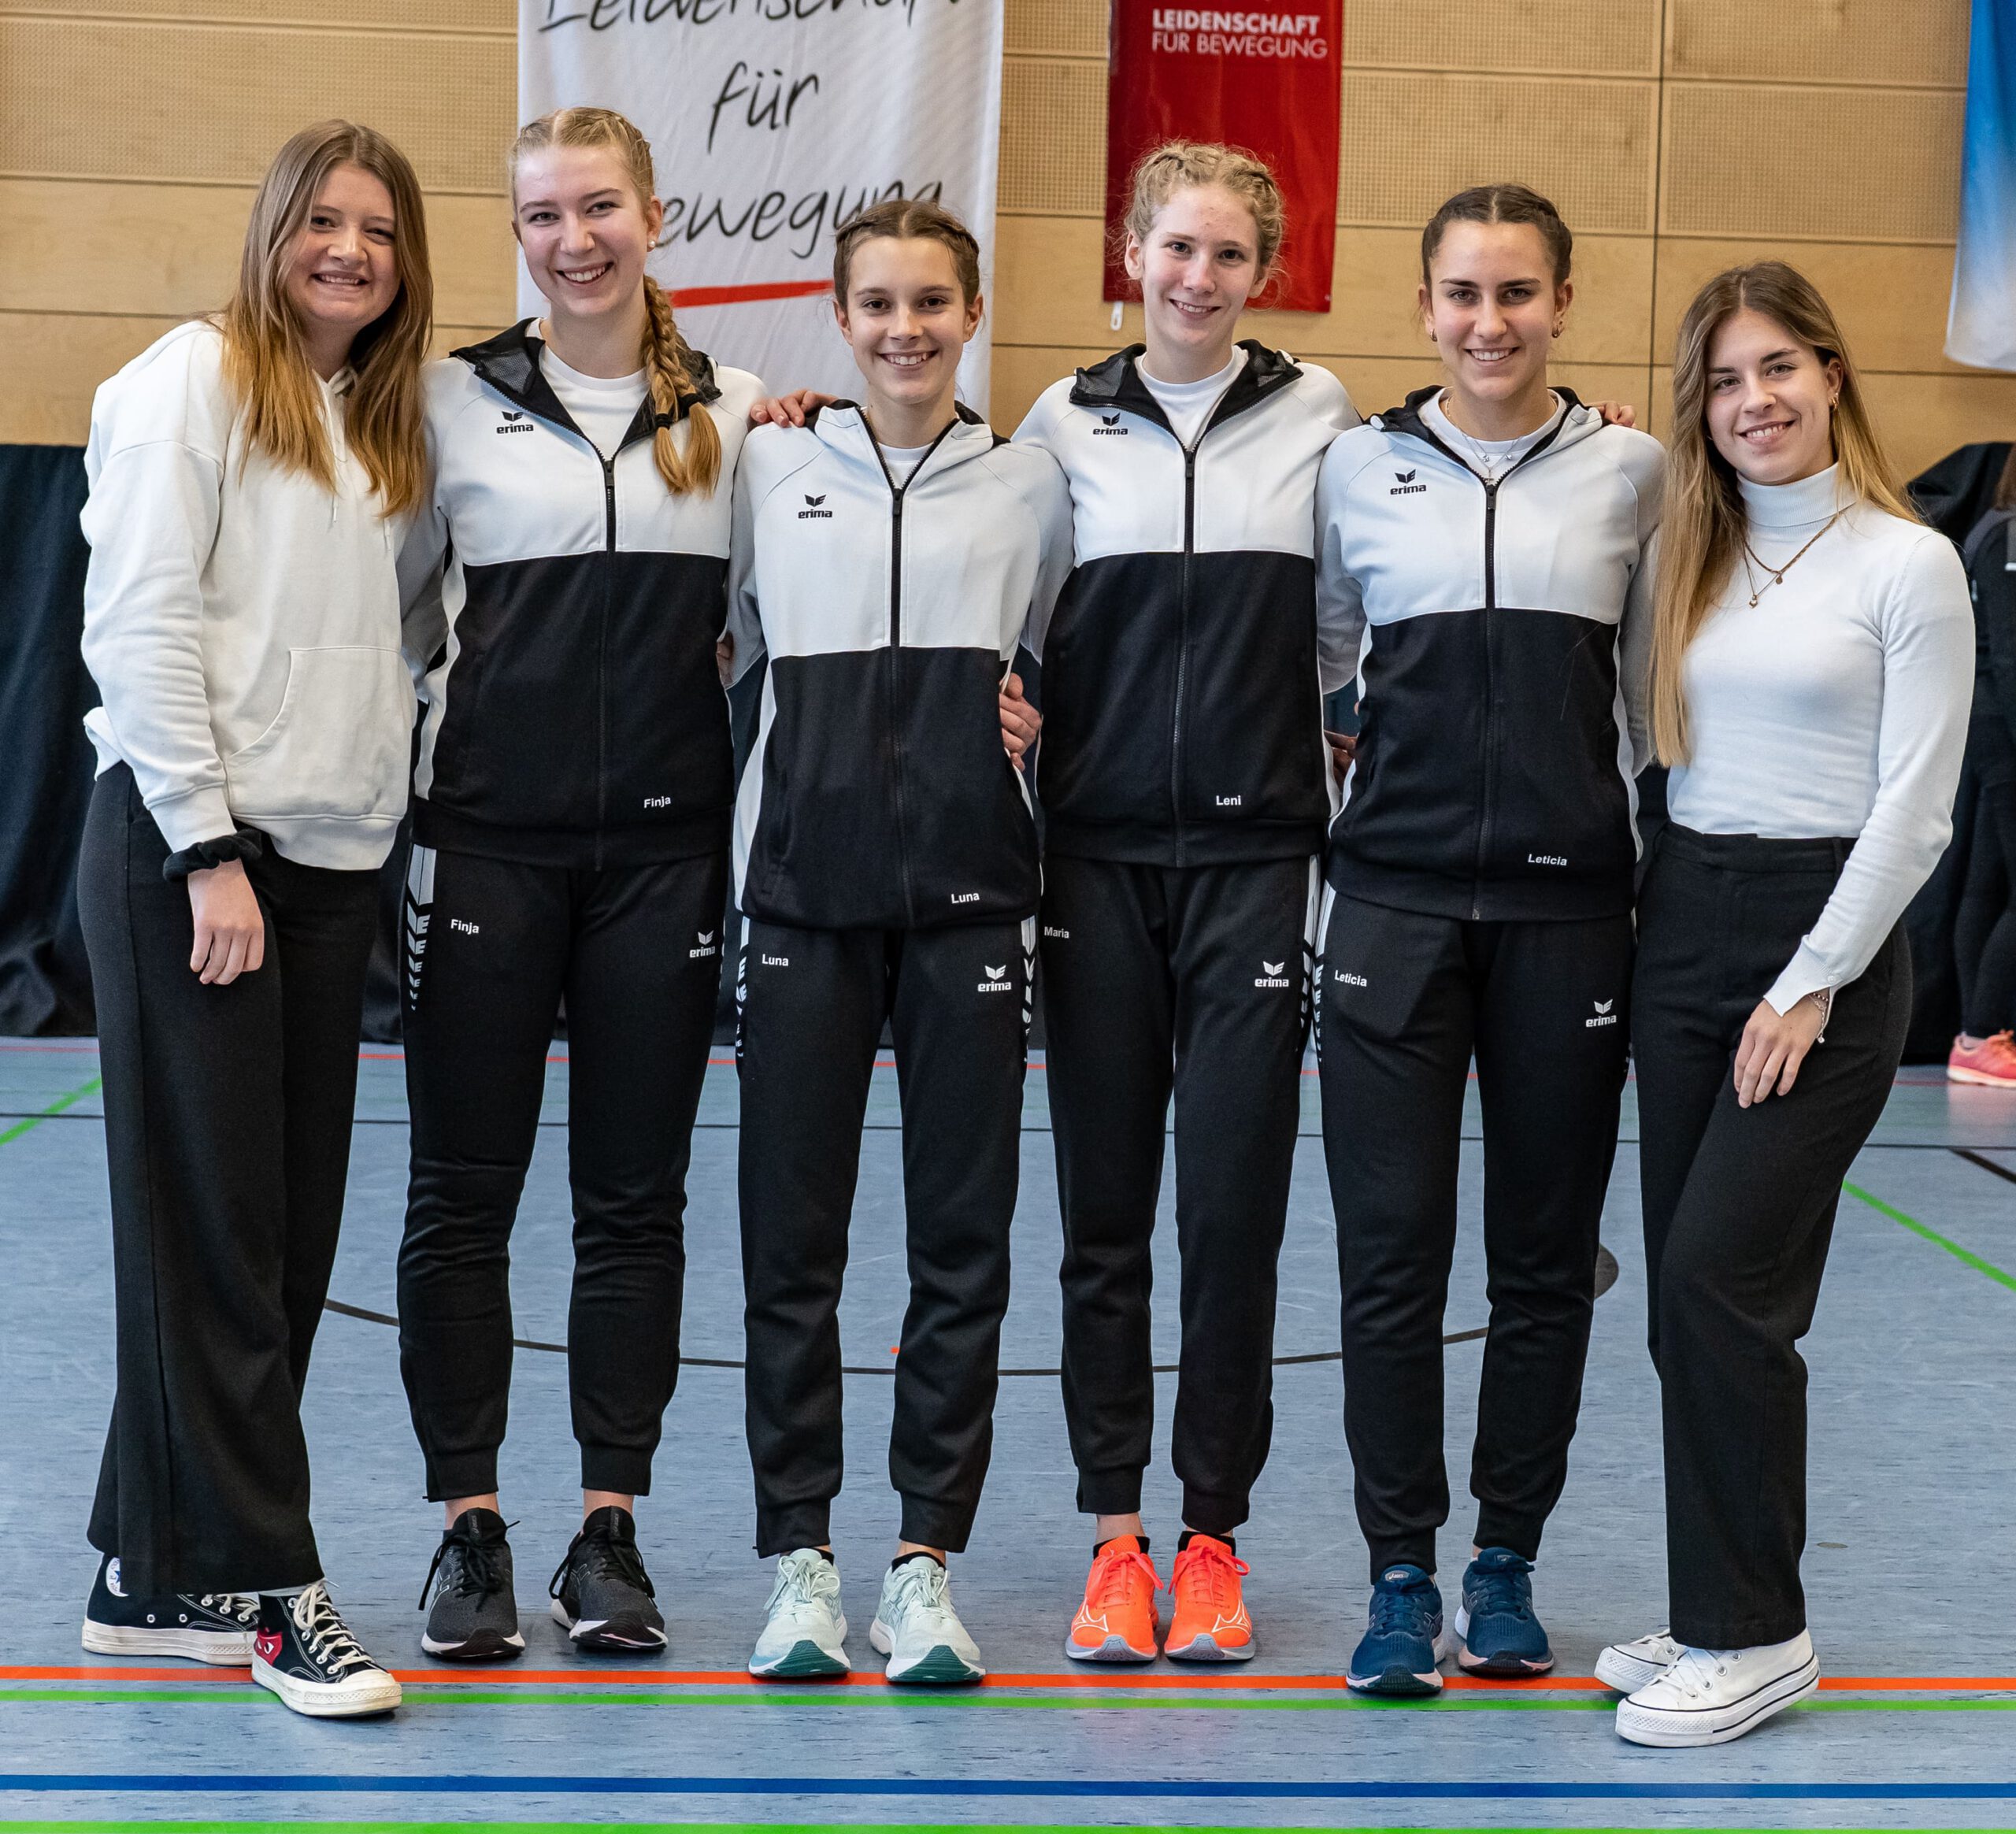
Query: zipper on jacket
point(1182, 645)
point(602, 653)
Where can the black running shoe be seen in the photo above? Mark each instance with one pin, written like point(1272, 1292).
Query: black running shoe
point(600, 1591)
point(474, 1614)
point(305, 1654)
point(206, 1627)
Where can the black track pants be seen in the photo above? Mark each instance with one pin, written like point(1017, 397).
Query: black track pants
point(813, 1006)
point(227, 1114)
point(1406, 1001)
point(1740, 1208)
point(492, 947)
point(1193, 980)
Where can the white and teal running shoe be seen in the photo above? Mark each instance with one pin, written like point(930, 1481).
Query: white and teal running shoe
point(803, 1635)
point(916, 1629)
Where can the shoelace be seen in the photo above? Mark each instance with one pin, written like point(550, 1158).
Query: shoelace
point(243, 1607)
point(600, 1557)
point(923, 1584)
point(1395, 1611)
point(330, 1644)
point(1498, 1590)
point(801, 1581)
point(1695, 1671)
point(475, 1567)
point(1114, 1575)
point(1217, 1571)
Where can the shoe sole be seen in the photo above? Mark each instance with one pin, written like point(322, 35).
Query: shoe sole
point(940, 1666)
point(1626, 1674)
point(610, 1635)
point(805, 1662)
point(1657, 1727)
point(485, 1646)
point(1498, 1667)
point(220, 1648)
point(1115, 1649)
point(324, 1700)
point(1204, 1647)
point(1400, 1684)
point(1979, 1079)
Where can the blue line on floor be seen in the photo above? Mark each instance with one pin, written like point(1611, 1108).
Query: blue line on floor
point(237, 1784)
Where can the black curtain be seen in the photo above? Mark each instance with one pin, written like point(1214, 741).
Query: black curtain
point(45, 692)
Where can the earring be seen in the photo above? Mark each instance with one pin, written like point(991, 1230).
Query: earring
point(1558, 330)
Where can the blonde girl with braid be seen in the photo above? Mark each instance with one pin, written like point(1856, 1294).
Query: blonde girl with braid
point(565, 591)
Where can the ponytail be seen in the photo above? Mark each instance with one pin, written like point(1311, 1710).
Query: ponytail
point(669, 364)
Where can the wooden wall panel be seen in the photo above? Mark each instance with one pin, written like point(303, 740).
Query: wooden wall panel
point(1610, 38)
point(1047, 104)
point(1837, 164)
point(1057, 28)
point(209, 104)
point(1593, 156)
point(1880, 42)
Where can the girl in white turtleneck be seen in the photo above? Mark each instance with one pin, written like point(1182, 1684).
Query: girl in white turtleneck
point(1810, 666)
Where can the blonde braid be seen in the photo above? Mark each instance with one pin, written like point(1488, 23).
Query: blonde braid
point(669, 362)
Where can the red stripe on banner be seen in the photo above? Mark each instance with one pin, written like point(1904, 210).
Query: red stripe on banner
point(683, 296)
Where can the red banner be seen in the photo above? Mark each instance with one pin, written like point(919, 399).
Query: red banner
point(1264, 80)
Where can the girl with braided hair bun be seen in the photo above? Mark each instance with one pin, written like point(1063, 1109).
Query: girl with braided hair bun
point(571, 829)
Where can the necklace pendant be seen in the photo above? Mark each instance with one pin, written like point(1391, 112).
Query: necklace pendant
point(1753, 598)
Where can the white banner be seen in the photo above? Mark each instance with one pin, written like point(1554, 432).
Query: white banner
point(771, 121)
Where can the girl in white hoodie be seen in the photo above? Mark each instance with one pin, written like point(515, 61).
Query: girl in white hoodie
point(250, 474)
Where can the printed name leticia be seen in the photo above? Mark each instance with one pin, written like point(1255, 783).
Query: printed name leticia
point(1252, 25)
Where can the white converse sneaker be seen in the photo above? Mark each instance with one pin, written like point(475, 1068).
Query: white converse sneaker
point(1628, 1666)
point(916, 1629)
point(802, 1637)
point(305, 1653)
point(1711, 1696)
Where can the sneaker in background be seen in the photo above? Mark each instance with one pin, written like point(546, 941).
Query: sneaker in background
point(1991, 1062)
point(1116, 1620)
point(305, 1653)
point(1711, 1696)
point(1628, 1666)
point(204, 1626)
point(473, 1613)
point(1403, 1636)
point(1209, 1623)
point(1497, 1631)
point(803, 1635)
point(600, 1591)
point(916, 1629)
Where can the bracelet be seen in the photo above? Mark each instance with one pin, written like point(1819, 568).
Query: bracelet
point(1822, 997)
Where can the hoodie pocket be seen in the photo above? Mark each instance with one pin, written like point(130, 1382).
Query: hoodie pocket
point(337, 748)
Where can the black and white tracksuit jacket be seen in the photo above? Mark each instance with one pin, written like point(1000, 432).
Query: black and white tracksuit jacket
point(879, 794)
point(1494, 772)
point(886, 857)
point(1184, 668)
point(575, 714)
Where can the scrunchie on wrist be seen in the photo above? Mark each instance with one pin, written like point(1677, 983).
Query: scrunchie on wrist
point(244, 844)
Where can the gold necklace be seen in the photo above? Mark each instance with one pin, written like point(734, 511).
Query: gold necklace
point(1778, 573)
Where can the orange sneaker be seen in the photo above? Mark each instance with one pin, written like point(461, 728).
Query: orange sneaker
point(1992, 1061)
point(1117, 1621)
point(1210, 1623)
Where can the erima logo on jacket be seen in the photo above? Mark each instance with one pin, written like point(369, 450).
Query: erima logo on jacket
point(1604, 1015)
point(515, 422)
point(707, 946)
point(813, 512)
point(1406, 485)
point(1270, 974)
point(1109, 423)
point(995, 983)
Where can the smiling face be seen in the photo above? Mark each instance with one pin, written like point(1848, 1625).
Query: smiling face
point(1197, 269)
point(907, 320)
point(584, 231)
point(1490, 303)
point(1770, 400)
point(341, 271)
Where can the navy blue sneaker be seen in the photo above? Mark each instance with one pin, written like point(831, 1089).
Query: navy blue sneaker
point(1499, 1635)
point(1403, 1637)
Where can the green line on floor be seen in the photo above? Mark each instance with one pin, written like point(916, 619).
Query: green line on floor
point(55, 1108)
point(1933, 1235)
point(974, 1700)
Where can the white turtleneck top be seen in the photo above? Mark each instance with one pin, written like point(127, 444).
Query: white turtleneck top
point(1835, 707)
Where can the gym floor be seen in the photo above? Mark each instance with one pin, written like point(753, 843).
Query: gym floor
point(1911, 1567)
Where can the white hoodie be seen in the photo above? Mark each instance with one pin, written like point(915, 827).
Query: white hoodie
point(242, 623)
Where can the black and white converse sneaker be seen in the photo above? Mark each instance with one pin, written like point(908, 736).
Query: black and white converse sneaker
point(305, 1653)
point(600, 1591)
point(206, 1627)
point(474, 1615)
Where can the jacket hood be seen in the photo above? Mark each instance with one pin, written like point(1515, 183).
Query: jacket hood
point(1578, 422)
point(842, 426)
point(1115, 382)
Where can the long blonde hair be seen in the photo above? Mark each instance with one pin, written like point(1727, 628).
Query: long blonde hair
point(1703, 524)
point(669, 362)
point(266, 362)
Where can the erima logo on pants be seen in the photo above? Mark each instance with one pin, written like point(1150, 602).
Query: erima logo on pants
point(995, 983)
point(1604, 1015)
point(708, 946)
point(1270, 974)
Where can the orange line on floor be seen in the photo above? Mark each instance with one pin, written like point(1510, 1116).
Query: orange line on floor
point(483, 1676)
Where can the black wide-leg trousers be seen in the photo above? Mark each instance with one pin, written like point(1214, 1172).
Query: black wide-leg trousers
point(1406, 1003)
point(1739, 1207)
point(227, 1114)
